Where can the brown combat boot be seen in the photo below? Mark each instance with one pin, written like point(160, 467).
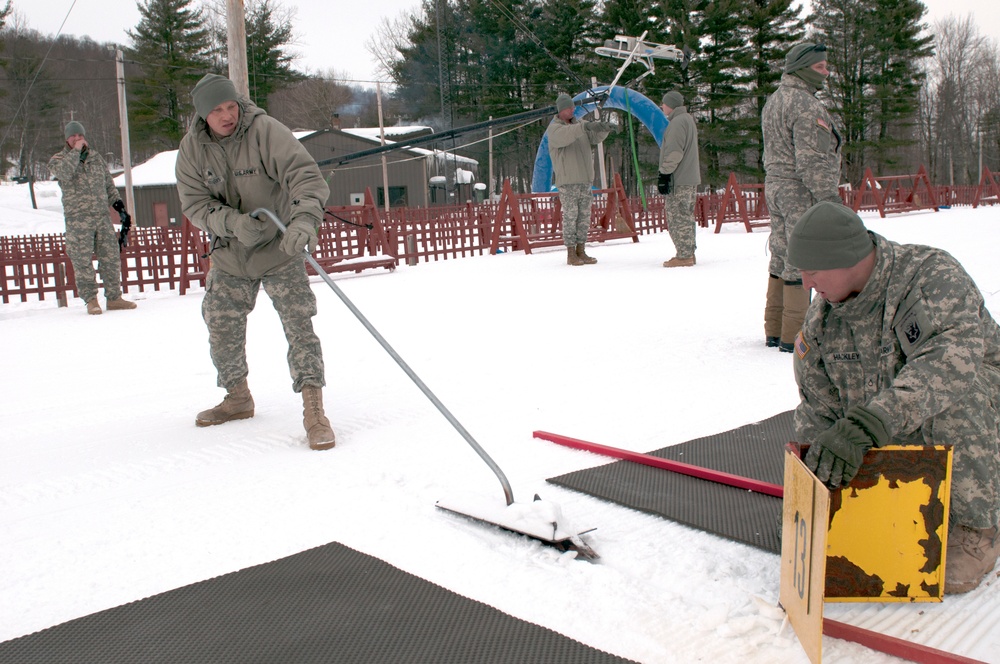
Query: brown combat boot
point(237, 405)
point(587, 260)
point(321, 436)
point(680, 262)
point(93, 308)
point(971, 556)
point(772, 311)
point(795, 301)
point(572, 258)
point(120, 304)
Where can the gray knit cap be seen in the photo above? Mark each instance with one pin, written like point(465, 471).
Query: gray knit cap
point(673, 99)
point(828, 236)
point(72, 128)
point(563, 101)
point(211, 91)
point(804, 55)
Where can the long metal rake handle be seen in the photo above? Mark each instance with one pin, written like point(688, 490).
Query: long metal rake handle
point(508, 493)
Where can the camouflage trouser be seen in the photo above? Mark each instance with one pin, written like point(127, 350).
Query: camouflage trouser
point(228, 301)
point(679, 208)
point(575, 201)
point(787, 201)
point(84, 240)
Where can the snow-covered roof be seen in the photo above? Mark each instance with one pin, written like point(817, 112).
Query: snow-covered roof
point(372, 133)
point(159, 169)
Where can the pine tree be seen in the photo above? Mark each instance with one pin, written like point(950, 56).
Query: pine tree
point(874, 54)
point(773, 26)
point(269, 66)
point(170, 46)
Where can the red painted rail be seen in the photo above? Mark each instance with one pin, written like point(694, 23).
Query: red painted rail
point(676, 466)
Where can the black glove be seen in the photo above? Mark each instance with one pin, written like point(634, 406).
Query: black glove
point(126, 219)
point(838, 452)
point(665, 184)
point(83, 153)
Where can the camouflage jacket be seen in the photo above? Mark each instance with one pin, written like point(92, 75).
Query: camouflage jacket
point(913, 343)
point(679, 148)
point(87, 187)
point(570, 147)
point(800, 141)
point(261, 164)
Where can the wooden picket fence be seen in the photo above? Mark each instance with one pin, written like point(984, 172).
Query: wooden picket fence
point(362, 237)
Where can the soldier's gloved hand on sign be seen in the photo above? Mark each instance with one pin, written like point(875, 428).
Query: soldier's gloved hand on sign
point(300, 234)
point(248, 230)
point(665, 183)
point(837, 453)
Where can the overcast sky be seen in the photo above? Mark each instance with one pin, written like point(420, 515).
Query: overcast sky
point(331, 34)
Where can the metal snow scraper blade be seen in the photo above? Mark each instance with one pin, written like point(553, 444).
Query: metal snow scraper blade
point(540, 520)
point(498, 517)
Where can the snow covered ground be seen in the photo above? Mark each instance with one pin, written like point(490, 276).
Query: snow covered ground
point(109, 493)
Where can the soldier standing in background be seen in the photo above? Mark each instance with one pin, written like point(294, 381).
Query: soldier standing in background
point(571, 144)
point(680, 175)
point(802, 167)
point(898, 348)
point(87, 192)
point(235, 159)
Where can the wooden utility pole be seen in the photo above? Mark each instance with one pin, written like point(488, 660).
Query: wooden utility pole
point(381, 133)
point(123, 120)
point(236, 35)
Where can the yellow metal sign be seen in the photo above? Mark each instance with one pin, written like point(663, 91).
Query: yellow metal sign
point(888, 530)
point(881, 539)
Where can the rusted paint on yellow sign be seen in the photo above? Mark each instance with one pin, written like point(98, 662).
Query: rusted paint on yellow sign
point(887, 530)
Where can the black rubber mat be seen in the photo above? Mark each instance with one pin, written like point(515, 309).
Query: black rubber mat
point(754, 450)
point(328, 604)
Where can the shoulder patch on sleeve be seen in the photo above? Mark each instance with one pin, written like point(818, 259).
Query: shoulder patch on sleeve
point(801, 347)
point(912, 328)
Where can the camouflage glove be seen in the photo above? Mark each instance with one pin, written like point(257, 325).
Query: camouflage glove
point(837, 453)
point(300, 234)
point(248, 230)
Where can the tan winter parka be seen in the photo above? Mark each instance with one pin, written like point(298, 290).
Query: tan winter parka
point(570, 147)
point(261, 164)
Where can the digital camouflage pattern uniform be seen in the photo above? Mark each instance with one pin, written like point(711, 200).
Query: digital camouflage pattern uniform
point(87, 192)
point(801, 163)
point(679, 158)
point(571, 149)
point(261, 164)
point(918, 348)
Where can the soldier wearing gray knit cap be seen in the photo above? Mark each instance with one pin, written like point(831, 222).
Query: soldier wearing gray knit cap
point(235, 159)
point(570, 143)
point(802, 167)
point(898, 348)
point(678, 177)
point(87, 192)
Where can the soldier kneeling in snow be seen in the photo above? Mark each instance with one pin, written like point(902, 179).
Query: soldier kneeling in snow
point(899, 348)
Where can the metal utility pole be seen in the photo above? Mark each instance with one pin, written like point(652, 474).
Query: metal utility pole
point(123, 120)
point(236, 35)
